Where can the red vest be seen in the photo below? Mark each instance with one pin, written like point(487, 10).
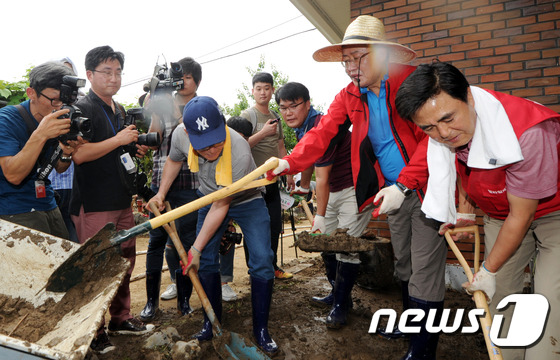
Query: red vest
point(487, 188)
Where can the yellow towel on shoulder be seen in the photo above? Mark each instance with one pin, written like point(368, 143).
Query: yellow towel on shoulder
point(223, 169)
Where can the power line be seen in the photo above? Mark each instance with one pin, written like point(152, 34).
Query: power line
point(230, 55)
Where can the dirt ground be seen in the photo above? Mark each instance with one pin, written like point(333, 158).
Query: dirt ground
point(296, 325)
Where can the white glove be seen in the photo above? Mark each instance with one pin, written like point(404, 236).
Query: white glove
point(392, 200)
point(299, 191)
point(282, 169)
point(462, 221)
point(318, 224)
point(483, 280)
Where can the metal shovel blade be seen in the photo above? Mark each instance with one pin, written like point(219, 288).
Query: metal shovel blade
point(94, 254)
point(232, 346)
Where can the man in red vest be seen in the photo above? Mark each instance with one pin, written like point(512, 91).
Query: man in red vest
point(505, 152)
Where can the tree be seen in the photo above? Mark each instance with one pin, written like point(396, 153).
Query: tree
point(13, 93)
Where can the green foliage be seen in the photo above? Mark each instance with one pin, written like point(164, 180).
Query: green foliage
point(13, 93)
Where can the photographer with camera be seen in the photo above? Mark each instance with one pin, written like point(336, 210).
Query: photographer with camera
point(102, 190)
point(167, 98)
point(29, 149)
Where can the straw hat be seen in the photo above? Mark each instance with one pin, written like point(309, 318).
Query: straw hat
point(365, 30)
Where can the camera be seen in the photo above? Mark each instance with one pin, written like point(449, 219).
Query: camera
point(166, 80)
point(133, 117)
point(79, 125)
point(229, 238)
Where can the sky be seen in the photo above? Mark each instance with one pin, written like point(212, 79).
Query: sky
point(150, 32)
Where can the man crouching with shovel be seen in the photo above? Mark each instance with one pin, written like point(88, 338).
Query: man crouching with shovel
point(208, 145)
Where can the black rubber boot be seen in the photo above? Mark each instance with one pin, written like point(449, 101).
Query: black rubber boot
point(153, 283)
point(345, 279)
point(330, 268)
point(184, 291)
point(212, 286)
point(397, 334)
point(424, 344)
point(261, 296)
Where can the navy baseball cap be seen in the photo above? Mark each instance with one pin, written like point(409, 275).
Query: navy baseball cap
point(204, 122)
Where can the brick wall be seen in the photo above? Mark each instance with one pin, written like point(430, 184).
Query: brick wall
point(503, 45)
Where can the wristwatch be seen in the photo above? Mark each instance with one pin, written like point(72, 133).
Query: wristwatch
point(406, 191)
point(66, 158)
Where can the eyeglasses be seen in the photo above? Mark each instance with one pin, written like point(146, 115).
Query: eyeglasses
point(354, 60)
point(292, 107)
point(212, 147)
point(54, 102)
point(109, 74)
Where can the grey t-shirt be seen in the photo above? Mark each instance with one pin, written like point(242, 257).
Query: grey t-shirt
point(242, 163)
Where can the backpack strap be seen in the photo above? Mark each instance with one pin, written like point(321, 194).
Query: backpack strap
point(31, 124)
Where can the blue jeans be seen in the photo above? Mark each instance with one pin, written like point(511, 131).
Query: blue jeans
point(160, 241)
point(254, 221)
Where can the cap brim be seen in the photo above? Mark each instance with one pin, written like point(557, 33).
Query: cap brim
point(210, 138)
point(333, 53)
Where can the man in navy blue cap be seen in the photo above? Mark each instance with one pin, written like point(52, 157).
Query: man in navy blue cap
point(208, 144)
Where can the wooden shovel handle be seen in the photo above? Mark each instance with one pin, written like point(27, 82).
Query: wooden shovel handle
point(494, 352)
point(192, 273)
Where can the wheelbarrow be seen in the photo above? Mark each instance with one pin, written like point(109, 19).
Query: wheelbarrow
point(479, 298)
point(80, 264)
point(228, 345)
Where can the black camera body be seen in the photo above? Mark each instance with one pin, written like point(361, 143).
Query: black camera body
point(133, 117)
point(228, 240)
point(79, 125)
point(166, 80)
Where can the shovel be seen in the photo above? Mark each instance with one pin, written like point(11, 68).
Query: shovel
point(90, 257)
point(228, 345)
point(494, 352)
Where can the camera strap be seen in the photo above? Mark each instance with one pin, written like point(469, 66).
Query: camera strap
point(43, 166)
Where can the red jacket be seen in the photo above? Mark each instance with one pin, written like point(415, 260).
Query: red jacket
point(487, 187)
point(350, 108)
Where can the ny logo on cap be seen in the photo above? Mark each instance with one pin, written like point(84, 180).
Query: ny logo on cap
point(202, 123)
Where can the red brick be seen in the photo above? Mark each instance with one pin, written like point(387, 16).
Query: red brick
point(484, 19)
point(390, 28)
point(544, 81)
point(527, 93)
point(519, 4)
point(525, 74)
point(473, 4)
point(526, 55)
point(451, 57)
point(480, 53)
point(360, 3)
point(553, 90)
point(467, 63)
point(509, 31)
point(555, 15)
point(489, 9)
point(422, 45)
point(494, 78)
point(385, 233)
point(546, 99)
point(446, 9)
point(462, 14)
point(434, 19)
point(532, 64)
point(508, 67)
point(508, 49)
point(448, 25)
point(410, 39)
point(494, 60)
point(439, 50)
point(540, 9)
point(393, 4)
point(432, 4)
point(464, 46)
point(421, 29)
point(524, 38)
point(520, 21)
point(395, 19)
point(554, 108)
point(493, 43)
point(539, 45)
point(473, 80)
point(491, 26)
point(413, 11)
point(504, 15)
point(396, 34)
point(478, 36)
point(462, 30)
point(408, 24)
point(379, 14)
point(508, 85)
point(479, 70)
point(552, 71)
point(539, 27)
point(449, 41)
point(551, 53)
point(435, 35)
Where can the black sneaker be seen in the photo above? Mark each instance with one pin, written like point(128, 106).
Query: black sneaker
point(102, 344)
point(131, 326)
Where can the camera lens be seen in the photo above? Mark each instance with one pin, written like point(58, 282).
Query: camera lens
point(149, 139)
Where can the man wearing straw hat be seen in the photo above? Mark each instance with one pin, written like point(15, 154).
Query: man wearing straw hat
point(382, 144)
